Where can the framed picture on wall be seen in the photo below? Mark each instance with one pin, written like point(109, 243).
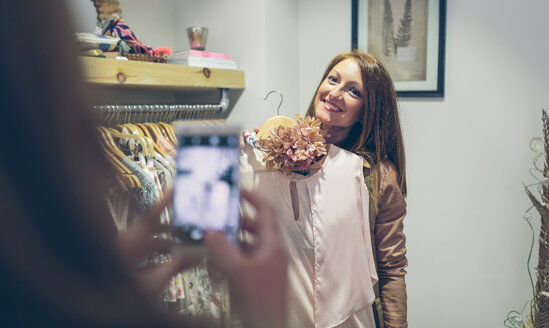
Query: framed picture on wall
point(408, 37)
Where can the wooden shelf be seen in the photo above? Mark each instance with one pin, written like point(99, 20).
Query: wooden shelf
point(136, 74)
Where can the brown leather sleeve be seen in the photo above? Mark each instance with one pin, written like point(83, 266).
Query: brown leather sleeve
point(390, 245)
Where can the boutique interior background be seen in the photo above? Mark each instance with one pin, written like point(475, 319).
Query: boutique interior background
point(467, 153)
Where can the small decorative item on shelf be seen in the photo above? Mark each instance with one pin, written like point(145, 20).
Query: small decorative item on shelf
point(198, 36)
point(296, 148)
point(161, 58)
point(111, 24)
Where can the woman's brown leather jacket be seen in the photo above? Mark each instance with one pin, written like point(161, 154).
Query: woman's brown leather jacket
point(390, 246)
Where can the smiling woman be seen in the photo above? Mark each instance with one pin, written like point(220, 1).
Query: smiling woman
point(357, 104)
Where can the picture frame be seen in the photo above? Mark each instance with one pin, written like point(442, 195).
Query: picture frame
point(408, 37)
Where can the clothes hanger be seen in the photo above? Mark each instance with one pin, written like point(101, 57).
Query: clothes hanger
point(141, 130)
point(135, 133)
point(170, 133)
point(162, 130)
point(153, 130)
point(124, 174)
point(115, 155)
point(147, 149)
point(147, 134)
point(284, 121)
point(109, 142)
point(166, 132)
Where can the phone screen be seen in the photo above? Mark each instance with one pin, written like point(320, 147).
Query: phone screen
point(206, 188)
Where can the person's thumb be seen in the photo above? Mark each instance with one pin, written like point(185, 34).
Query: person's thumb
point(224, 256)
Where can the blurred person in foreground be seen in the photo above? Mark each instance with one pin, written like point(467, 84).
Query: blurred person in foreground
point(62, 262)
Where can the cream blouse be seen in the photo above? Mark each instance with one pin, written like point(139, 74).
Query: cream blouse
point(325, 224)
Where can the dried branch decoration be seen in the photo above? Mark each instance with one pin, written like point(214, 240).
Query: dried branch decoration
point(540, 306)
point(296, 148)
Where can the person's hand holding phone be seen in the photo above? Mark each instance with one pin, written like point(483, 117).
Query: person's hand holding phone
point(138, 242)
point(256, 272)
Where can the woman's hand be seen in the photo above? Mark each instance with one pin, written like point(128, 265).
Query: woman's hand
point(245, 134)
point(256, 272)
point(138, 242)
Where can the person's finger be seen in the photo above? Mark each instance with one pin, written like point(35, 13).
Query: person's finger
point(137, 241)
point(251, 197)
point(155, 277)
point(266, 226)
point(264, 211)
point(248, 224)
point(246, 133)
point(256, 130)
point(156, 245)
point(224, 256)
point(135, 246)
point(150, 225)
point(184, 257)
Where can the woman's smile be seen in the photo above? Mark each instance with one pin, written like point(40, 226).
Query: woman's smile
point(331, 107)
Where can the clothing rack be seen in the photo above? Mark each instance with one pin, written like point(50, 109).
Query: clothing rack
point(140, 113)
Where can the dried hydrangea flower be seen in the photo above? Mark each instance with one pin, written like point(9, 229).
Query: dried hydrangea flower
point(294, 148)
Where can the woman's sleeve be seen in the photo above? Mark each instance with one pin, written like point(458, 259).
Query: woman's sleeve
point(390, 245)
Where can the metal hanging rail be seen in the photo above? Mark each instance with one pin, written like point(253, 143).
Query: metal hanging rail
point(140, 113)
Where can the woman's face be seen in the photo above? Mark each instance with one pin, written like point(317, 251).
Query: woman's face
point(339, 100)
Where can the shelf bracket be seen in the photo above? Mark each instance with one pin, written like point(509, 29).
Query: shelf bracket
point(223, 99)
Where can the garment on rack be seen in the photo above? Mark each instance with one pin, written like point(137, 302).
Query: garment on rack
point(326, 228)
point(146, 197)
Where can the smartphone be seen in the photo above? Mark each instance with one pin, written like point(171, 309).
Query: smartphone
point(206, 192)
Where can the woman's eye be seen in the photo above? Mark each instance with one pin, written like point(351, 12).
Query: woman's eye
point(332, 78)
point(355, 92)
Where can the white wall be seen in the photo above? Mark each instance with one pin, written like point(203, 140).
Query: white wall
point(467, 157)
point(467, 153)
point(324, 32)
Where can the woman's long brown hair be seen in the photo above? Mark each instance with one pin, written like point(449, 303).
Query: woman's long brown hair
point(377, 136)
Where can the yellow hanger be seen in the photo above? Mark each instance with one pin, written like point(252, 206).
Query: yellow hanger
point(115, 155)
point(163, 131)
point(148, 135)
point(153, 130)
point(284, 121)
point(109, 143)
point(171, 133)
point(273, 122)
point(142, 135)
point(147, 149)
point(141, 130)
point(129, 179)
